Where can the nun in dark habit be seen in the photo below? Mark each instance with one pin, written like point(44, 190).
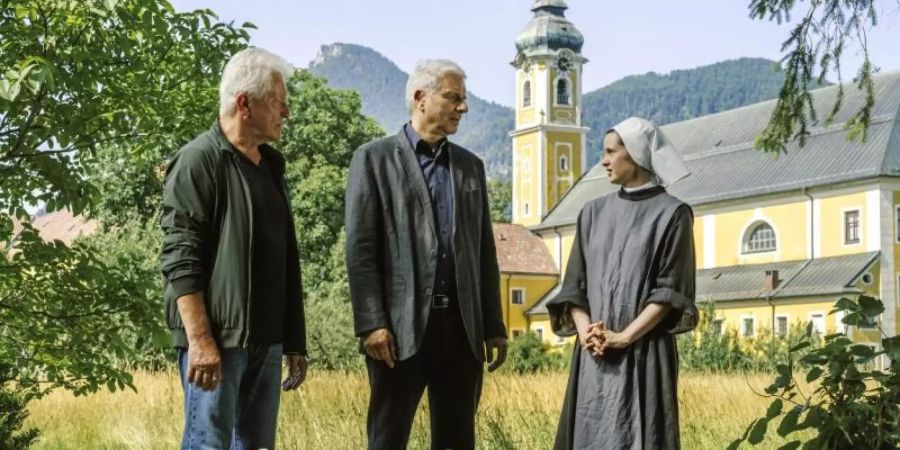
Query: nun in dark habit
point(628, 289)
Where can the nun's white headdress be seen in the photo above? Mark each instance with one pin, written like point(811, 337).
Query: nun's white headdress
point(651, 149)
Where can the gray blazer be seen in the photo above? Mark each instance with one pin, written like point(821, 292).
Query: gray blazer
point(392, 246)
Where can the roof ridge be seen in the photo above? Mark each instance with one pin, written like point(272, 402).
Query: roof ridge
point(884, 157)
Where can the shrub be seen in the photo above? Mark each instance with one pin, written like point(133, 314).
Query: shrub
point(528, 354)
point(855, 404)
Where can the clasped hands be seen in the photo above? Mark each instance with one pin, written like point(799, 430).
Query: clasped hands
point(597, 339)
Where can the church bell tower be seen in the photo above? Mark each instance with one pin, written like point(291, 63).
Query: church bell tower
point(549, 141)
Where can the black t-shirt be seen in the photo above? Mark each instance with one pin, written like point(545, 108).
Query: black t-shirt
point(269, 259)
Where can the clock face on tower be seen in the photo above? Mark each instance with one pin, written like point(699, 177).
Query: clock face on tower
point(563, 64)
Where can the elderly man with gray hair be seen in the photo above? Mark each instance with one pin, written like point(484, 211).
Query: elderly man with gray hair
point(424, 281)
point(232, 291)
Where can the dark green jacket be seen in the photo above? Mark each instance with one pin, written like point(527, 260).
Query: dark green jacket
point(207, 222)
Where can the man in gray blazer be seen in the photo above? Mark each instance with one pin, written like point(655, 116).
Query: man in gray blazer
point(423, 272)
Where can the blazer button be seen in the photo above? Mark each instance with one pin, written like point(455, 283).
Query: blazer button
point(428, 291)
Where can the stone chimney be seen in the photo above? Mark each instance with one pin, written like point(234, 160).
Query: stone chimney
point(772, 280)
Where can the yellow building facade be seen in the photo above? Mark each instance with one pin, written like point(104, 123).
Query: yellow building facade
point(777, 240)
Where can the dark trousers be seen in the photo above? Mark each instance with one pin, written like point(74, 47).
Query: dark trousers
point(446, 366)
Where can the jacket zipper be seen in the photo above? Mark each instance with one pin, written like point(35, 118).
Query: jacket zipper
point(245, 339)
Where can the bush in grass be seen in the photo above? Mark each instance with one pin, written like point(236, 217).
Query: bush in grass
point(855, 406)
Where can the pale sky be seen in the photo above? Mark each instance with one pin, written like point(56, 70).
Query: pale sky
point(621, 37)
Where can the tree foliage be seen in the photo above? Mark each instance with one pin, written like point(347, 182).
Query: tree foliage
point(324, 129)
point(708, 348)
point(120, 80)
point(500, 198)
point(813, 51)
point(12, 419)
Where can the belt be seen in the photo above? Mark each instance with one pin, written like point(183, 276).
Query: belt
point(439, 301)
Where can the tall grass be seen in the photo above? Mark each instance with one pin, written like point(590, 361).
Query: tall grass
point(517, 412)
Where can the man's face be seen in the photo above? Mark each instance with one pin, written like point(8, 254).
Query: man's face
point(443, 108)
point(620, 168)
point(267, 114)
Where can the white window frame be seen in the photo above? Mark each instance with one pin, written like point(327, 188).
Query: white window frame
point(809, 318)
point(748, 232)
point(721, 324)
point(512, 297)
point(897, 223)
point(539, 331)
point(787, 325)
point(516, 332)
point(560, 339)
point(744, 326)
point(859, 230)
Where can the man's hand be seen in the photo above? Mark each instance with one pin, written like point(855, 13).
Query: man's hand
point(379, 345)
point(204, 363)
point(498, 344)
point(297, 366)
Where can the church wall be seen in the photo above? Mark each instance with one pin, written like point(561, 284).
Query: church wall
point(831, 219)
point(732, 229)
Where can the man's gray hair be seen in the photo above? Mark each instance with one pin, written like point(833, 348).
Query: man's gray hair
point(250, 71)
point(427, 76)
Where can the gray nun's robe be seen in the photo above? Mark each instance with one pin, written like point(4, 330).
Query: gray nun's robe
point(630, 249)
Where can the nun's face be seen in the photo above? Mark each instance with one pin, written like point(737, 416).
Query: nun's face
point(620, 168)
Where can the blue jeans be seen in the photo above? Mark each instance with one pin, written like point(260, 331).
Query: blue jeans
point(242, 412)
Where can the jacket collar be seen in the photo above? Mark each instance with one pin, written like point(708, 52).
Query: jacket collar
point(273, 157)
point(413, 171)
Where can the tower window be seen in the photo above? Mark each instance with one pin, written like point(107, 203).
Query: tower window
point(563, 163)
point(562, 91)
point(526, 208)
point(526, 94)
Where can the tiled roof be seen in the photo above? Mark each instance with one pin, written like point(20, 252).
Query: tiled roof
point(520, 251)
point(60, 225)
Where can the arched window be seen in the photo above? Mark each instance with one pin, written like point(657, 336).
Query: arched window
point(563, 163)
point(562, 91)
point(526, 94)
point(761, 238)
